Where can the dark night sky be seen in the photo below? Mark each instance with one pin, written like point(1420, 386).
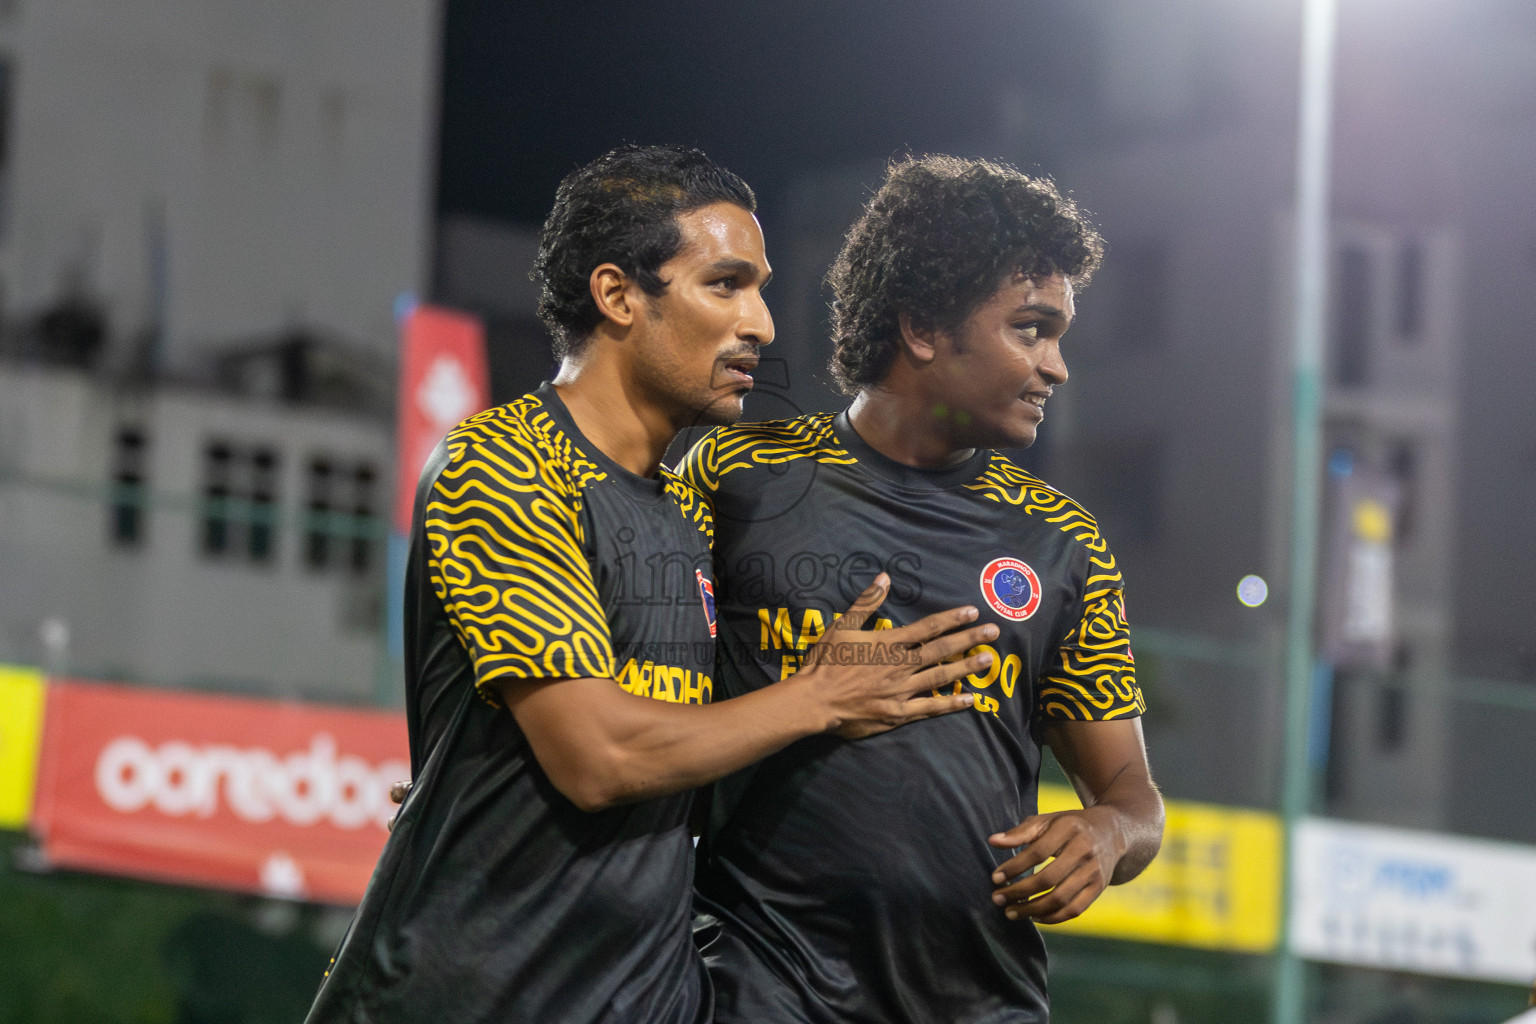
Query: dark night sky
point(531, 90)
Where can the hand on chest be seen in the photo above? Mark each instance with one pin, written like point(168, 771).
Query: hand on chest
point(781, 589)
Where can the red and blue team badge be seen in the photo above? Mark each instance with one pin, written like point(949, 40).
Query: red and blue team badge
point(1011, 588)
point(707, 595)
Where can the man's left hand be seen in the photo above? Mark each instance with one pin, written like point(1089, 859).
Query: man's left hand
point(1106, 843)
point(1086, 846)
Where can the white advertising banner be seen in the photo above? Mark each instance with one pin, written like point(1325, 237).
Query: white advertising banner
point(1414, 901)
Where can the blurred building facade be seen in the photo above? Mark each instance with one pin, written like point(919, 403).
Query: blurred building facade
point(207, 211)
point(177, 535)
point(207, 172)
point(1176, 428)
point(1184, 345)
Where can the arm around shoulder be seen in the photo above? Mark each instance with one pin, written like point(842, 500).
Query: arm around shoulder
point(602, 746)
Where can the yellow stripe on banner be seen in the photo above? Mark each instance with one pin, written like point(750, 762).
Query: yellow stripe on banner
point(1215, 884)
point(21, 726)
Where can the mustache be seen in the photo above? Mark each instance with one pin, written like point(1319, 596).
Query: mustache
point(748, 351)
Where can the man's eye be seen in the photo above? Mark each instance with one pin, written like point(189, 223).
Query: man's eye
point(726, 284)
point(1031, 331)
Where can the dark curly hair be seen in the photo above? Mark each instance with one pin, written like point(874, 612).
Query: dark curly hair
point(936, 241)
point(621, 208)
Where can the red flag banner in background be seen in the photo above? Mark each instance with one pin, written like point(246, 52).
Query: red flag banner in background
point(443, 379)
point(285, 799)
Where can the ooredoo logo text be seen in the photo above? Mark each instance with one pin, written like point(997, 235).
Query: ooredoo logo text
point(304, 787)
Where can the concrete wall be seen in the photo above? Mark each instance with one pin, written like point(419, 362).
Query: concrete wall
point(275, 158)
point(210, 172)
point(163, 611)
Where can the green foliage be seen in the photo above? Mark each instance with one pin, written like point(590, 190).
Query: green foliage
point(80, 948)
point(1101, 981)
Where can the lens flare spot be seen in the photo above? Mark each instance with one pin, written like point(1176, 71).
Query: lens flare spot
point(1252, 591)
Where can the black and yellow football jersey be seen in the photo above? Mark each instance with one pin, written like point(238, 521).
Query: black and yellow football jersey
point(852, 879)
point(534, 556)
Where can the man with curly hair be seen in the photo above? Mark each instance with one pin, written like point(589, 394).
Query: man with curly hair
point(559, 640)
point(899, 879)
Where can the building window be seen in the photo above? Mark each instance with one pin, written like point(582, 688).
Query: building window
point(317, 533)
point(1352, 317)
point(1391, 717)
point(1410, 292)
point(363, 543)
point(239, 502)
point(217, 466)
point(340, 525)
point(128, 507)
point(1403, 464)
point(1392, 703)
point(262, 522)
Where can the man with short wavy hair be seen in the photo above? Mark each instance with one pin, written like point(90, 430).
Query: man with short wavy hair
point(896, 880)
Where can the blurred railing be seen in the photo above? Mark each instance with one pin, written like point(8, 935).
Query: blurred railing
point(111, 495)
point(1175, 645)
point(1169, 645)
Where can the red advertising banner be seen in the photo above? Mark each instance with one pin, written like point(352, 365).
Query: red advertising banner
point(290, 800)
point(443, 379)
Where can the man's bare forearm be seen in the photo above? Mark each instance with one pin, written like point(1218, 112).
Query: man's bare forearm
point(1107, 765)
point(601, 746)
point(1139, 808)
point(622, 748)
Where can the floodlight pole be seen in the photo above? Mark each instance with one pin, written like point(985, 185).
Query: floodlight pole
point(1318, 28)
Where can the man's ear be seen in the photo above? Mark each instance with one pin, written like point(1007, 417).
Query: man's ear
point(919, 343)
point(612, 291)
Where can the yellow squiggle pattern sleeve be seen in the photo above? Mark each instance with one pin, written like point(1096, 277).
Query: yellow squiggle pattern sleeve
point(694, 504)
point(505, 551)
point(755, 445)
point(700, 467)
point(1093, 676)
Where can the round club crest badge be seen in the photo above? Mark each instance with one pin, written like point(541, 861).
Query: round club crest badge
point(1011, 588)
point(707, 595)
